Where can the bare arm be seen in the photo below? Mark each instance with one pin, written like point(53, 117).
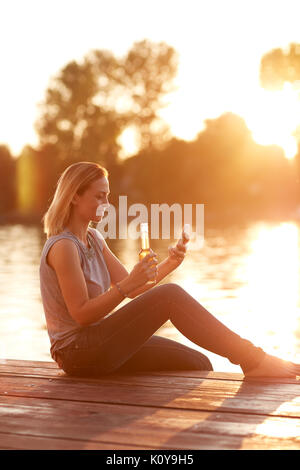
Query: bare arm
point(63, 257)
point(175, 258)
point(118, 272)
point(163, 269)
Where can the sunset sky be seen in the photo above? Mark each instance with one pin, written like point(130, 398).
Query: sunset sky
point(220, 44)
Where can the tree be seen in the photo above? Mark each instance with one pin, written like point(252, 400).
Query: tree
point(89, 103)
point(148, 71)
point(26, 175)
point(223, 168)
point(279, 66)
point(7, 180)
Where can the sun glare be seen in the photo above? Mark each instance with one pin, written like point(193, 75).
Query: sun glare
point(128, 141)
point(272, 287)
point(273, 116)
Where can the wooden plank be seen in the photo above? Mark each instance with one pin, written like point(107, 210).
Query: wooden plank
point(100, 426)
point(32, 372)
point(19, 442)
point(59, 373)
point(43, 368)
point(50, 368)
point(42, 408)
point(177, 376)
point(272, 399)
point(28, 363)
point(226, 376)
point(56, 372)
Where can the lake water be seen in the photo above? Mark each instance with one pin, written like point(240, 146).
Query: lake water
point(247, 276)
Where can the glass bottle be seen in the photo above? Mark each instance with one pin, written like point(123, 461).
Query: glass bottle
point(145, 245)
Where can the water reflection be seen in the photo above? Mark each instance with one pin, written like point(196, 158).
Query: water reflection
point(272, 288)
point(247, 276)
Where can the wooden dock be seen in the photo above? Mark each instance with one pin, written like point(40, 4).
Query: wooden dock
point(42, 408)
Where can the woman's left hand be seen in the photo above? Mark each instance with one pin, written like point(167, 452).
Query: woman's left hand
point(177, 253)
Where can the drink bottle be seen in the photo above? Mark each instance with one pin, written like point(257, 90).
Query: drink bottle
point(145, 245)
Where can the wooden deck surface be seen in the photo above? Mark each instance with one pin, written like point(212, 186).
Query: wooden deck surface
point(42, 408)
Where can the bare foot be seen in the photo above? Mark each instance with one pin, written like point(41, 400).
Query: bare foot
point(272, 366)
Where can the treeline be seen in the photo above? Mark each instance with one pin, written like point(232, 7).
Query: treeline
point(88, 106)
point(223, 168)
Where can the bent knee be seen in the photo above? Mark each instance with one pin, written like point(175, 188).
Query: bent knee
point(168, 293)
point(207, 364)
point(171, 289)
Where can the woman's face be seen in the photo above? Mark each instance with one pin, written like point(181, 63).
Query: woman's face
point(88, 205)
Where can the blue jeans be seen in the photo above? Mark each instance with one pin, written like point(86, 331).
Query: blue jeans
point(124, 342)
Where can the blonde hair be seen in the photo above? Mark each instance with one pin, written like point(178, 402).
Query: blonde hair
point(75, 179)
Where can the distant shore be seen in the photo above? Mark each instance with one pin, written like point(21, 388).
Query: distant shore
point(15, 217)
point(218, 218)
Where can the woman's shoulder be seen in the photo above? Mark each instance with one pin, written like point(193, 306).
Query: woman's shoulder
point(62, 236)
point(63, 239)
point(61, 246)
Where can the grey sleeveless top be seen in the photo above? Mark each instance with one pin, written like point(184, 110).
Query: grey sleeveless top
point(62, 328)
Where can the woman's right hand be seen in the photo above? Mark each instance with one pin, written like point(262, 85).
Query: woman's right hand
point(142, 272)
